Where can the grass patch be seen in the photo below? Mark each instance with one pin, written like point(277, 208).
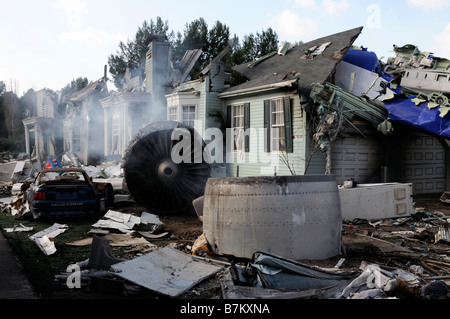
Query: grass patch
point(42, 269)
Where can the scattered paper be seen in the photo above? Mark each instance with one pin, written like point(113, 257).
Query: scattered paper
point(148, 218)
point(44, 238)
point(46, 245)
point(117, 220)
point(51, 232)
point(20, 228)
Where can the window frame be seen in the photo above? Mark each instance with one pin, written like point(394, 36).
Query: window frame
point(245, 145)
point(286, 106)
point(277, 125)
point(238, 136)
point(188, 120)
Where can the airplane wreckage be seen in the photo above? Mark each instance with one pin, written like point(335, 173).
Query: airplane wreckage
point(411, 89)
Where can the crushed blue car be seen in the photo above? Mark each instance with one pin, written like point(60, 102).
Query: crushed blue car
point(65, 192)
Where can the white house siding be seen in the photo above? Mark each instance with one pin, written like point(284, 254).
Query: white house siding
point(257, 162)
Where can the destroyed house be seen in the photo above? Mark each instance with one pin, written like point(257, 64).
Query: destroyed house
point(83, 124)
point(290, 92)
point(196, 103)
point(143, 98)
point(413, 124)
point(43, 127)
point(276, 98)
point(278, 116)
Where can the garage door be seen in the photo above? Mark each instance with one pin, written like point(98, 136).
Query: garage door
point(356, 157)
point(425, 164)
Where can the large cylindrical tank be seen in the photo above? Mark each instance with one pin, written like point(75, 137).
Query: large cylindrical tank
point(166, 167)
point(297, 217)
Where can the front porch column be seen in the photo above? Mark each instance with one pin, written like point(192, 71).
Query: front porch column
point(27, 141)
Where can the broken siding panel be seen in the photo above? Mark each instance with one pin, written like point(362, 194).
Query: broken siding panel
point(217, 77)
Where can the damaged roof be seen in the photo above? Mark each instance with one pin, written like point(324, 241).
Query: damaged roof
point(304, 64)
point(96, 86)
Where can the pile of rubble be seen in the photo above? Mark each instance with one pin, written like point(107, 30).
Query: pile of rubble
point(397, 258)
point(401, 258)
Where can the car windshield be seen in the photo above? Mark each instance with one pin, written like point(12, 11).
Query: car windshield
point(45, 177)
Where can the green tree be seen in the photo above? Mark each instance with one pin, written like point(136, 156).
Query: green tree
point(12, 112)
point(218, 38)
point(267, 42)
point(195, 35)
point(254, 47)
point(29, 103)
point(132, 54)
point(75, 85)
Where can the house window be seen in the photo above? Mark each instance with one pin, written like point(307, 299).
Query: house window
point(45, 107)
point(188, 115)
point(278, 139)
point(238, 126)
point(172, 114)
point(278, 125)
point(239, 121)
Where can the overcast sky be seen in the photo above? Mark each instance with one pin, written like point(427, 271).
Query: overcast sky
point(48, 43)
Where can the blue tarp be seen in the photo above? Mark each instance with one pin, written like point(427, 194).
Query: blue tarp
point(367, 60)
point(401, 108)
point(404, 110)
point(364, 59)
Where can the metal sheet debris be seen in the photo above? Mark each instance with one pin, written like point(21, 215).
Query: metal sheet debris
point(404, 110)
point(374, 282)
point(166, 271)
point(276, 272)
